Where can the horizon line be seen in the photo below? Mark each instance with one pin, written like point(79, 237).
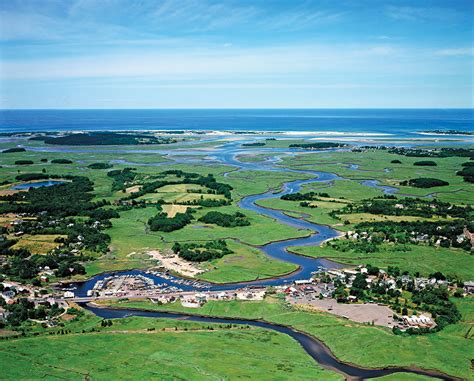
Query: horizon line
point(238, 108)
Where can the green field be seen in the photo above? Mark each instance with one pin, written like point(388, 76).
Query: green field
point(381, 347)
point(130, 234)
point(425, 259)
point(139, 348)
point(38, 244)
point(142, 348)
point(246, 263)
point(318, 215)
point(377, 165)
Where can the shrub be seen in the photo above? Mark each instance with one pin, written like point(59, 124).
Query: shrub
point(202, 252)
point(425, 182)
point(31, 176)
point(318, 145)
point(425, 163)
point(12, 150)
point(161, 222)
point(467, 172)
point(225, 220)
point(100, 166)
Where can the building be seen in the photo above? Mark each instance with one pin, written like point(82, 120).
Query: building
point(421, 321)
point(469, 287)
point(250, 294)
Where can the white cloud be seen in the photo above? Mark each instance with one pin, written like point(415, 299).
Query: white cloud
point(413, 13)
point(108, 19)
point(21, 26)
point(217, 62)
point(455, 52)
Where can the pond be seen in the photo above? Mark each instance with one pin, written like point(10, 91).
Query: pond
point(38, 184)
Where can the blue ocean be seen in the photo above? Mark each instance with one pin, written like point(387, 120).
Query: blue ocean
point(397, 122)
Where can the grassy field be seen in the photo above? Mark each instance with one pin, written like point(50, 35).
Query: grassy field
point(252, 182)
point(141, 348)
point(176, 197)
point(130, 234)
point(318, 215)
point(424, 259)
point(181, 188)
point(355, 218)
point(344, 189)
point(449, 350)
point(252, 158)
point(403, 377)
point(246, 263)
point(377, 165)
point(181, 193)
point(189, 350)
point(172, 209)
point(37, 244)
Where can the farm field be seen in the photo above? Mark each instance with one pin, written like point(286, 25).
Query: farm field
point(38, 244)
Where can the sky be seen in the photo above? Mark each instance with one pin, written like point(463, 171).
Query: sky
point(236, 54)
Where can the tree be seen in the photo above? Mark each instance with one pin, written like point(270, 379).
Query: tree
point(360, 282)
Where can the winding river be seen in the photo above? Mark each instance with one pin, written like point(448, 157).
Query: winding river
point(314, 347)
point(277, 250)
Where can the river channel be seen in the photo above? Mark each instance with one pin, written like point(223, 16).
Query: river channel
point(314, 347)
point(318, 233)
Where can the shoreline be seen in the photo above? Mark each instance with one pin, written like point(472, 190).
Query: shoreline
point(6, 133)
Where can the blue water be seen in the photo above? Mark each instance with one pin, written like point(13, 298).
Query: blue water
point(400, 123)
point(38, 184)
